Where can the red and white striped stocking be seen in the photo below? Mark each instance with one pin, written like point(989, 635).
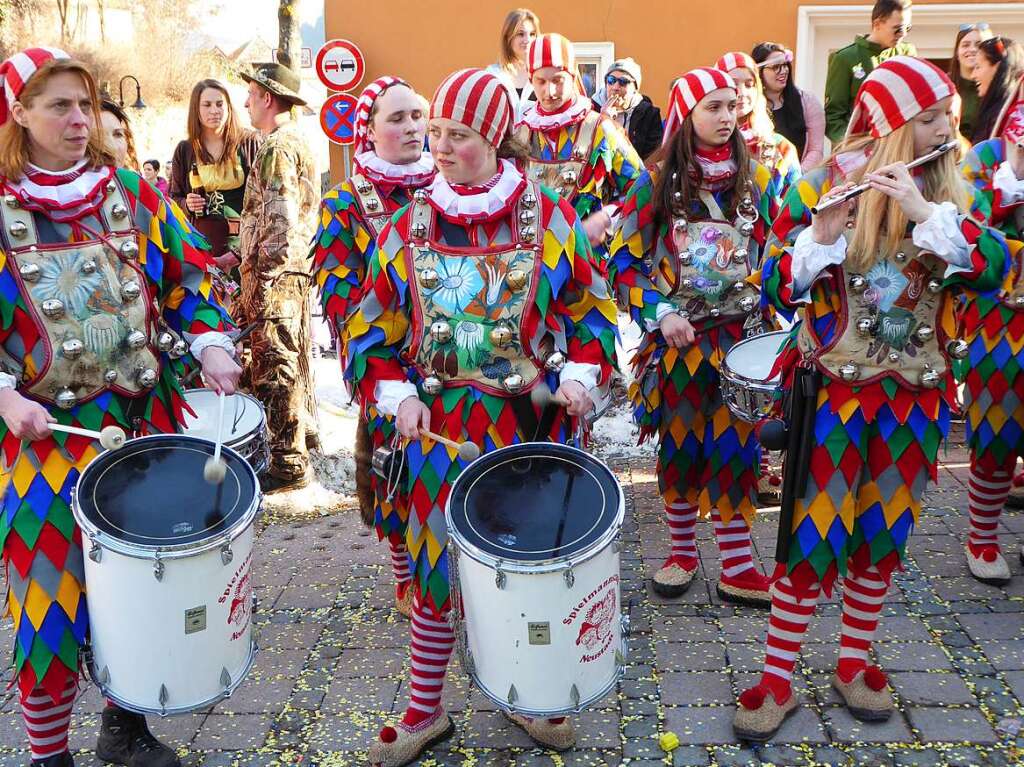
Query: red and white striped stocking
point(46, 722)
point(986, 495)
point(863, 594)
point(733, 544)
point(432, 643)
point(786, 626)
point(400, 562)
point(682, 524)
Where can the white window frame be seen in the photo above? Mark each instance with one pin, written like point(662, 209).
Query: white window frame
point(604, 52)
point(935, 27)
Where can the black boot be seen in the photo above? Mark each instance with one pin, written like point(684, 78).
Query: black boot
point(57, 760)
point(125, 739)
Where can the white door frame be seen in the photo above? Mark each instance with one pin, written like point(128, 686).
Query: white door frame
point(820, 27)
point(603, 52)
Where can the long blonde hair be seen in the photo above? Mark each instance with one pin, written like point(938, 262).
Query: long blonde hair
point(507, 57)
point(881, 224)
point(14, 139)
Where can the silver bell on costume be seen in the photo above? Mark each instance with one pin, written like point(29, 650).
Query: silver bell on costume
point(555, 362)
point(747, 304)
point(929, 378)
point(72, 348)
point(441, 332)
point(372, 204)
point(118, 212)
point(934, 286)
point(865, 326)
point(110, 376)
point(419, 230)
point(528, 200)
point(514, 383)
point(924, 333)
point(894, 356)
point(420, 196)
point(500, 336)
point(432, 385)
point(849, 372)
point(130, 249)
point(958, 349)
point(29, 272)
point(858, 283)
point(429, 279)
point(180, 349)
point(136, 339)
point(66, 399)
point(18, 230)
point(131, 290)
point(165, 341)
point(147, 378)
point(364, 187)
point(746, 229)
point(53, 308)
point(88, 266)
point(740, 255)
point(515, 279)
point(569, 176)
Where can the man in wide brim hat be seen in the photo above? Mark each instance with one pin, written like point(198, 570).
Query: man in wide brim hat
point(280, 80)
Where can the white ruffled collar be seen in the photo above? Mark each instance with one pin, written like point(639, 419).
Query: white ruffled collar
point(573, 114)
point(483, 205)
point(378, 169)
point(79, 192)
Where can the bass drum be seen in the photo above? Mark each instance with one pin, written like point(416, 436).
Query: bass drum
point(533, 545)
point(167, 574)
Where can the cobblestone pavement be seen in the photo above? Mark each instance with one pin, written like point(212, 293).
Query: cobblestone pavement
point(330, 671)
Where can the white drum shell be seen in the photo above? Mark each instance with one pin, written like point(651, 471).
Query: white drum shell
point(176, 644)
point(746, 388)
point(244, 428)
point(527, 634)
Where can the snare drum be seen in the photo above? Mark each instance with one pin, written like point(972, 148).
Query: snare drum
point(244, 429)
point(167, 574)
point(746, 387)
point(534, 566)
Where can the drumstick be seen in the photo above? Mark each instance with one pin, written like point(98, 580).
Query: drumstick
point(467, 450)
point(861, 188)
point(240, 337)
point(215, 469)
point(110, 437)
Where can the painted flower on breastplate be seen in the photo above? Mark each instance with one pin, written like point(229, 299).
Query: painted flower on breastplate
point(459, 285)
point(469, 337)
point(886, 284)
point(89, 298)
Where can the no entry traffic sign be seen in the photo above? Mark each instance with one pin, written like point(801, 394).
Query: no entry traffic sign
point(340, 65)
point(337, 118)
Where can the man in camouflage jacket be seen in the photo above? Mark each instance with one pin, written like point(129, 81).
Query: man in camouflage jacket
point(278, 221)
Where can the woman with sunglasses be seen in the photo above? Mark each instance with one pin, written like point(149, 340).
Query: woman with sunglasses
point(621, 100)
point(997, 69)
point(961, 70)
point(797, 114)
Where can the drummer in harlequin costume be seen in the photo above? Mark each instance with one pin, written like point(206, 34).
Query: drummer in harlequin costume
point(584, 156)
point(771, 149)
point(389, 165)
point(682, 260)
point(482, 299)
point(875, 278)
point(994, 328)
point(87, 254)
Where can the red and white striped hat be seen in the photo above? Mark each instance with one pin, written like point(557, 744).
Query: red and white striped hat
point(736, 60)
point(687, 92)
point(551, 50)
point(364, 106)
point(895, 92)
point(478, 100)
point(1011, 112)
point(18, 70)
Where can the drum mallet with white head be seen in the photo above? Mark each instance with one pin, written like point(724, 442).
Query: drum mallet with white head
point(467, 450)
point(110, 437)
point(215, 469)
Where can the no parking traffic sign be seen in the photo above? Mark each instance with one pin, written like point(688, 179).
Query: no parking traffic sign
point(337, 118)
point(340, 65)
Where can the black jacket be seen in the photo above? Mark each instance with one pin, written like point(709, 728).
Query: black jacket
point(645, 128)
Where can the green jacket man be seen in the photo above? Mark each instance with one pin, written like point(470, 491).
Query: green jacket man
point(847, 67)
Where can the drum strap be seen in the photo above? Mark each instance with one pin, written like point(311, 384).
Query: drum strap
point(528, 421)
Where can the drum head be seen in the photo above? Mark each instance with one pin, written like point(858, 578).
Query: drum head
point(754, 358)
point(151, 492)
point(242, 416)
point(534, 502)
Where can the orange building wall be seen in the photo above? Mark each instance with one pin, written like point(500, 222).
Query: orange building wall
point(425, 40)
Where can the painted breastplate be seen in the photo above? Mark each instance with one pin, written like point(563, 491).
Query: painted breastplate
point(91, 305)
point(562, 176)
point(371, 204)
point(706, 276)
point(469, 306)
point(890, 324)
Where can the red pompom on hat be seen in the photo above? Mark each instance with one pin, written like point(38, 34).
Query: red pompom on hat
point(364, 106)
point(551, 50)
point(16, 71)
point(895, 92)
point(478, 100)
point(687, 92)
point(736, 60)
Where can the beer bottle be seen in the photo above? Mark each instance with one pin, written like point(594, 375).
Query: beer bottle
point(195, 181)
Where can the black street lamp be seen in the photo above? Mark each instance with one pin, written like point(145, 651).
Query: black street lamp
point(139, 103)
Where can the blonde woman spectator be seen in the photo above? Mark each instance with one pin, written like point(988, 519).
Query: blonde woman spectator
point(520, 29)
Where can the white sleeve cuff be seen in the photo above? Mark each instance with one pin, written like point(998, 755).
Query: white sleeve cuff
point(585, 373)
point(390, 394)
point(663, 309)
point(211, 338)
point(7, 381)
point(809, 259)
point(1008, 185)
point(940, 234)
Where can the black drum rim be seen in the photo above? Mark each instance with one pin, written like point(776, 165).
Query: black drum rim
point(167, 551)
point(462, 546)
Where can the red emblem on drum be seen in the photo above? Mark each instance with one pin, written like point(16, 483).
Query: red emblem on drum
point(597, 625)
point(239, 589)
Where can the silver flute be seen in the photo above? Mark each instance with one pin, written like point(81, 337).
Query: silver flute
point(861, 188)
